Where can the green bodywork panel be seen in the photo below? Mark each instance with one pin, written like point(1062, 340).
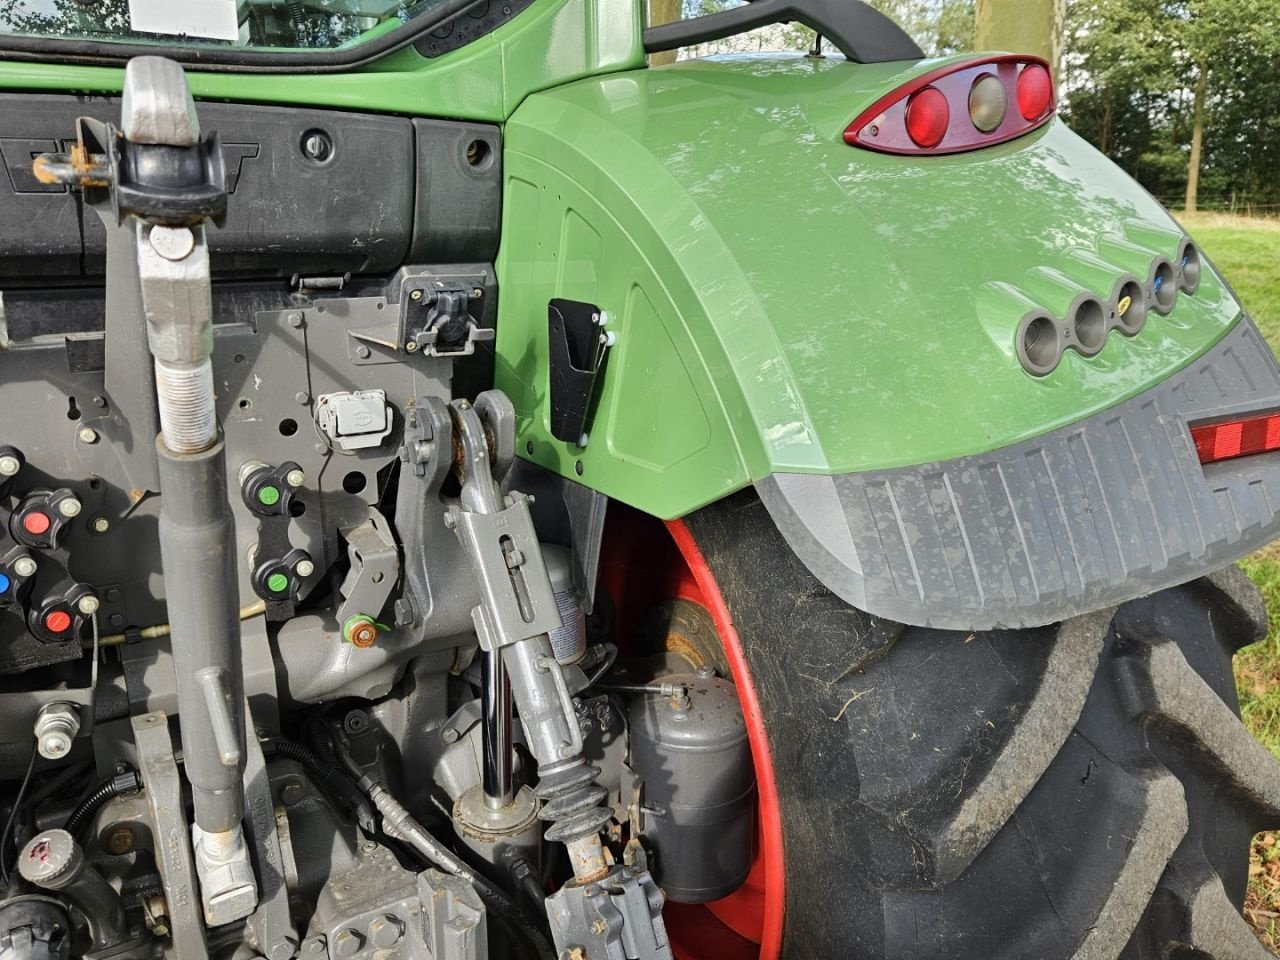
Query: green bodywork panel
point(551, 42)
point(784, 302)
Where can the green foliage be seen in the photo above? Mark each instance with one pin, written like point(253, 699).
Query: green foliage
point(1131, 71)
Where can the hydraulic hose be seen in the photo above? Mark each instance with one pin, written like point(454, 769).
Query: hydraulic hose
point(112, 787)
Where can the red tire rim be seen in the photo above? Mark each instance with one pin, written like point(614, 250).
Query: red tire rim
point(643, 563)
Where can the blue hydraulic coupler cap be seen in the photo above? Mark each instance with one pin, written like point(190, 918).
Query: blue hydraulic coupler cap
point(5, 583)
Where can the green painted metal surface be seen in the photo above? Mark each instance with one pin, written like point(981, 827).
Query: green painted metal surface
point(552, 42)
point(785, 302)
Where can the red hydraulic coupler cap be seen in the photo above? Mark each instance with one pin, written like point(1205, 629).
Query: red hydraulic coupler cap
point(36, 523)
point(57, 621)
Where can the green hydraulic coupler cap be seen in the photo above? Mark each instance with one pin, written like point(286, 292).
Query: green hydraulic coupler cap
point(277, 583)
point(269, 496)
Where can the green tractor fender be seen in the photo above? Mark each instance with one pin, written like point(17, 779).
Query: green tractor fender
point(847, 331)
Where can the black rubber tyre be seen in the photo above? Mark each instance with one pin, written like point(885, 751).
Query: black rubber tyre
point(1084, 790)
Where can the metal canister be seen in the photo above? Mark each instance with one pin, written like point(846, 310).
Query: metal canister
point(698, 796)
point(569, 642)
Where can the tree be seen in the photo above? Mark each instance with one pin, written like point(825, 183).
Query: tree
point(1216, 36)
point(1022, 26)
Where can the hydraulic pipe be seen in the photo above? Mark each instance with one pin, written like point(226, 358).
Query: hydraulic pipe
point(196, 549)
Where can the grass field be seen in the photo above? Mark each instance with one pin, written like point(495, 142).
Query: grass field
point(1248, 254)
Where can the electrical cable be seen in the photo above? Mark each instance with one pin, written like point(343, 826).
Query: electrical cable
point(328, 776)
point(126, 782)
point(13, 814)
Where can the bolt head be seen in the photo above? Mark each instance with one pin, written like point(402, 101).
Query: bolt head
point(411, 346)
point(305, 568)
point(172, 243)
point(291, 794)
point(70, 507)
point(415, 295)
point(24, 566)
point(449, 735)
point(477, 293)
point(347, 943)
point(295, 478)
point(88, 605)
point(101, 525)
point(54, 745)
point(87, 435)
point(282, 949)
point(9, 465)
point(295, 320)
point(302, 397)
point(385, 931)
point(362, 352)
point(119, 840)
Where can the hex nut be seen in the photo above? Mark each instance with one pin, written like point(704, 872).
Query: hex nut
point(305, 568)
point(70, 507)
point(87, 435)
point(9, 465)
point(88, 604)
point(24, 566)
point(385, 931)
point(100, 525)
point(295, 478)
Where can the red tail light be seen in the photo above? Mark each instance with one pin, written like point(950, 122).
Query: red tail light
point(962, 107)
point(1237, 438)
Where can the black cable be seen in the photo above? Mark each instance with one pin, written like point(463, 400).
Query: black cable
point(126, 782)
point(71, 771)
point(328, 776)
point(13, 815)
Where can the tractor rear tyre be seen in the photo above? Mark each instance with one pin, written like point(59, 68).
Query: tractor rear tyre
point(1081, 790)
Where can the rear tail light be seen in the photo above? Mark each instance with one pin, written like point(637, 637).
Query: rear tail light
point(962, 107)
point(1237, 438)
point(928, 116)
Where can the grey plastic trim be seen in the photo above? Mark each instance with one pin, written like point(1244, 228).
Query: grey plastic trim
point(1043, 357)
point(1110, 508)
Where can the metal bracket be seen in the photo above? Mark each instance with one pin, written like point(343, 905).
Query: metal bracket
point(455, 921)
point(436, 320)
point(616, 918)
point(271, 925)
point(375, 568)
point(173, 849)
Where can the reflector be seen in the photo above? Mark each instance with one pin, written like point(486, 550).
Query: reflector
point(1230, 439)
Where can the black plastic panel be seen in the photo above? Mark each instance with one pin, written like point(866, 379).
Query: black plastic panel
point(1111, 508)
point(352, 212)
point(465, 28)
point(458, 196)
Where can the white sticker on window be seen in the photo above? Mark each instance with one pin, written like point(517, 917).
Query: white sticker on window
point(211, 19)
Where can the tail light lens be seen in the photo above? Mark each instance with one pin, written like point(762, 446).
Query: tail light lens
point(962, 107)
point(1230, 439)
